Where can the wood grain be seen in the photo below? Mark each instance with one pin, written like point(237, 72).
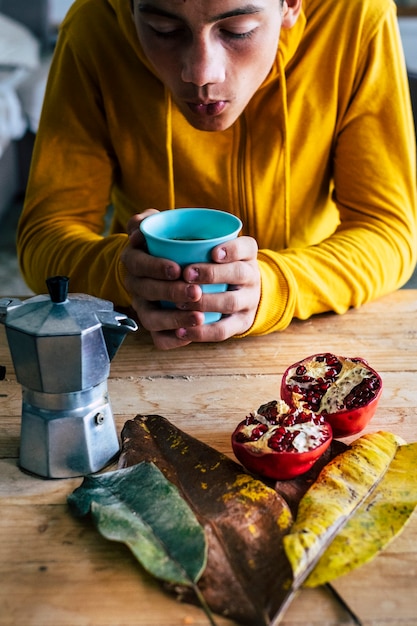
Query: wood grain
point(57, 571)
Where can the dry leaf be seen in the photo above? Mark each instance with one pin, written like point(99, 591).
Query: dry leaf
point(244, 520)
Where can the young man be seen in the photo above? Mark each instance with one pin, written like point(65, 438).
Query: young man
point(293, 115)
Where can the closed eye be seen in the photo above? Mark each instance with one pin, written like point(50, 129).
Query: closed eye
point(232, 35)
point(166, 34)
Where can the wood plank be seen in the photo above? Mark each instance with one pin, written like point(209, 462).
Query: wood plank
point(210, 407)
point(56, 570)
point(195, 404)
point(82, 579)
point(385, 338)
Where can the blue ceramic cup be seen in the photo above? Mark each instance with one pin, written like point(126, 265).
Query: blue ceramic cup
point(188, 236)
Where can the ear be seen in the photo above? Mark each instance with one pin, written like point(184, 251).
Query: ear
point(290, 11)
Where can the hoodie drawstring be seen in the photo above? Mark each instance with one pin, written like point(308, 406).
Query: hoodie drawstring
point(169, 150)
point(286, 148)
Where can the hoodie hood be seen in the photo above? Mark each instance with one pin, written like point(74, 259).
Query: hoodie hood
point(124, 18)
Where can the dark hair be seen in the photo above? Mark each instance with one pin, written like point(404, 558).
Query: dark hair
point(131, 3)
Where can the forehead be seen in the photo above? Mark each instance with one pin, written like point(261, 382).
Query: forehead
point(207, 10)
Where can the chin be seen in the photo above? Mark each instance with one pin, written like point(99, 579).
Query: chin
point(214, 126)
point(210, 124)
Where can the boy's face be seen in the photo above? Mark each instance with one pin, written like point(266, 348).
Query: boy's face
point(211, 54)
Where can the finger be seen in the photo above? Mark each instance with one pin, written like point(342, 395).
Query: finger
point(224, 302)
point(167, 340)
point(176, 291)
point(135, 220)
point(236, 273)
point(154, 318)
point(237, 304)
point(139, 263)
point(225, 328)
point(240, 249)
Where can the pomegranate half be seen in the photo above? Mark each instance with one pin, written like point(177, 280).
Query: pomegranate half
point(280, 442)
point(344, 390)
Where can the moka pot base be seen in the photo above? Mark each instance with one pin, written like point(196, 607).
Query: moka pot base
point(67, 434)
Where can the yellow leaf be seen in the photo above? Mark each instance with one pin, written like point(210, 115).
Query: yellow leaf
point(381, 517)
point(340, 489)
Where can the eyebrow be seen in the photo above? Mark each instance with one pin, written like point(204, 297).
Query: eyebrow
point(150, 9)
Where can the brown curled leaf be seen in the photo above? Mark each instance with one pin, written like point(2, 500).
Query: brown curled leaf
point(243, 518)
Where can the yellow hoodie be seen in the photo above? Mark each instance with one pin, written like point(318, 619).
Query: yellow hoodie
point(320, 167)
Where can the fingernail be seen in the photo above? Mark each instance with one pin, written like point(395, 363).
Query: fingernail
point(221, 254)
point(190, 292)
point(181, 333)
point(170, 272)
point(194, 274)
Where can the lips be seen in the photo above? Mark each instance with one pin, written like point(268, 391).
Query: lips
point(207, 109)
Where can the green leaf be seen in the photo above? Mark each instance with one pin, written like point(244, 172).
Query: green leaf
point(141, 508)
point(381, 517)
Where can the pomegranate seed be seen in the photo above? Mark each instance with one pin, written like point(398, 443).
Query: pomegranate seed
point(258, 431)
point(331, 359)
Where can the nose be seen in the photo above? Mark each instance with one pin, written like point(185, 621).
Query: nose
point(203, 63)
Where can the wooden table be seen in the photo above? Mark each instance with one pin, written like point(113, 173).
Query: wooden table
point(56, 570)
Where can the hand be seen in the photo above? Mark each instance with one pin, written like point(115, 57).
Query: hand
point(150, 279)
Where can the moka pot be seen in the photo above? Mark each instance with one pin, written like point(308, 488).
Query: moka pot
point(61, 346)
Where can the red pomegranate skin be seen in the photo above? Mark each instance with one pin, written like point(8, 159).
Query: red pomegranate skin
point(285, 463)
point(345, 390)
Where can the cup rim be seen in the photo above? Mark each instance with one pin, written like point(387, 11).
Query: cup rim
point(144, 225)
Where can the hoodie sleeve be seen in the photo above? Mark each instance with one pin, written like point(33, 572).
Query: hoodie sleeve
point(373, 250)
point(69, 190)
